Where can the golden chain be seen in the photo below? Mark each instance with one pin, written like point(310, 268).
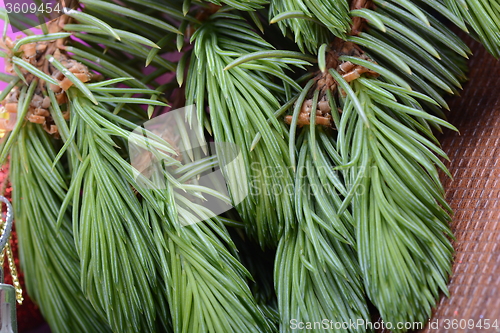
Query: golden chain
point(13, 270)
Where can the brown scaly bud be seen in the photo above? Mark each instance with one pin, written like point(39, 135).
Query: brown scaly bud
point(358, 23)
point(322, 110)
point(35, 54)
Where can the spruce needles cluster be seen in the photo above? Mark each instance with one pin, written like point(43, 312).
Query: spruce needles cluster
point(333, 106)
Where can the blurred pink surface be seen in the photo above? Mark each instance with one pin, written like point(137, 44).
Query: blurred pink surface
point(11, 35)
point(2, 66)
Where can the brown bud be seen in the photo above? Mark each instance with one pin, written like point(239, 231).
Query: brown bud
point(346, 66)
point(36, 101)
point(65, 84)
point(36, 119)
point(61, 98)
point(52, 129)
point(11, 107)
point(324, 106)
point(29, 50)
point(42, 112)
point(351, 76)
point(46, 102)
point(84, 77)
point(55, 88)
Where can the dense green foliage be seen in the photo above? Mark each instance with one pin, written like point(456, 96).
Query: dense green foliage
point(348, 202)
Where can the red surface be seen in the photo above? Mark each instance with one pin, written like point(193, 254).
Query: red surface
point(28, 315)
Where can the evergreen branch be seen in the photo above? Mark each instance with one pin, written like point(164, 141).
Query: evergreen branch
point(117, 9)
point(110, 222)
point(169, 9)
point(291, 15)
point(241, 105)
point(208, 295)
point(324, 18)
point(398, 53)
point(49, 259)
point(196, 247)
point(124, 35)
point(451, 15)
point(270, 54)
point(317, 274)
point(398, 216)
point(245, 5)
point(379, 130)
point(110, 226)
point(91, 20)
point(483, 17)
point(360, 211)
point(123, 23)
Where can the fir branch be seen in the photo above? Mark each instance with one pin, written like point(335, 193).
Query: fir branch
point(317, 274)
point(397, 206)
point(110, 228)
point(245, 5)
point(483, 17)
point(360, 210)
point(48, 256)
point(194, 249)
point(311, 22)
point(242, 101)
point(110, 222)
point(111, 7)
point(396, 50)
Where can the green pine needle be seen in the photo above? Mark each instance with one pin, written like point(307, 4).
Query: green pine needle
point(242, 102)
point(49, 258)
point(401, 230)
point(350, 214)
